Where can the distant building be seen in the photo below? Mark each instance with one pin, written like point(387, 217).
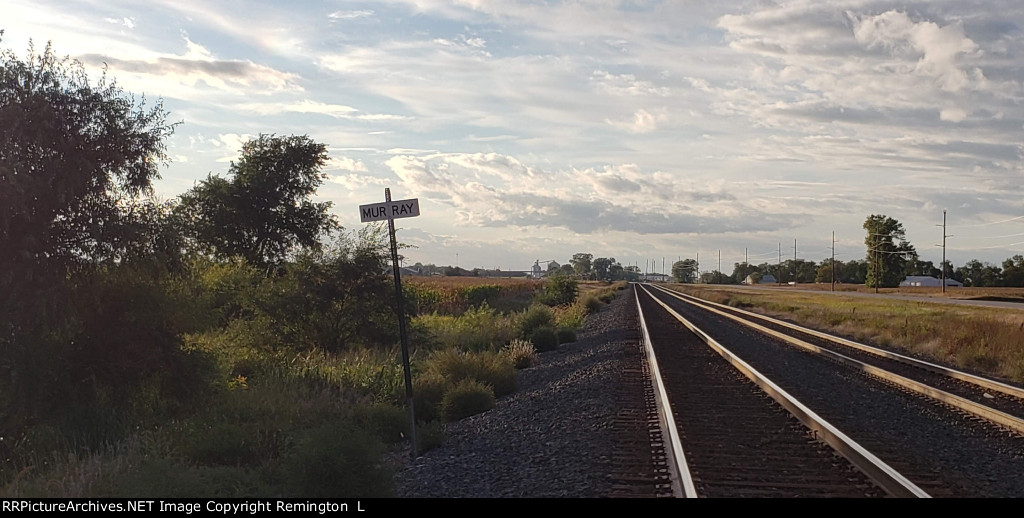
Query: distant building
point(927, 280)
point(657, 277)
point(765, 279)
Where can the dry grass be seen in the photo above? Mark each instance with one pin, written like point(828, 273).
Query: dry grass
point(988, 341)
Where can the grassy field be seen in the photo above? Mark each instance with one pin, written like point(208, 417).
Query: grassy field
point(988, 341)
point(1015, 294)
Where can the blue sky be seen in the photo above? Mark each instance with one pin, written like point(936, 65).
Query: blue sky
point(629, 129)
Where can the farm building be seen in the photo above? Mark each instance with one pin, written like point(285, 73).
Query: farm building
point(925, 280)
point(765, 279)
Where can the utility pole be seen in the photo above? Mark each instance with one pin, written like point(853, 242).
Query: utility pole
point(778, 269)
point(796, 269)
point(719, 266)
point(833, 260)
point(697, 273)
point(943, 265)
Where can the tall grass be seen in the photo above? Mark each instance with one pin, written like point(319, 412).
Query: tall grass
point(984, 340)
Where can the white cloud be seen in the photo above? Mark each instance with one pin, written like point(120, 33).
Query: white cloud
point(953, 114)
point(350, 15)
point(346, 164)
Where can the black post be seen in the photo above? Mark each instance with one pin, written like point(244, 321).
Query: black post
point(401, 329)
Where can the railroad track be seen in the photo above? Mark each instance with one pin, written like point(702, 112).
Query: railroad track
point(944, 448)
point(999, 403)
point(730, 439)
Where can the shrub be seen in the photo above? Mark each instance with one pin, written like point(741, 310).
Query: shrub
point(429, 436)
point(571, 317)
point(544, 339)
point(226, 444)
point(389, 423)
point(490, 368)
point(566, 335)
point(468, 397)
point(337, 460)
point(477, 329)
point(559, 290)
point(427, 391)
point(591, 302)
point(521, 353)
point(536, 316)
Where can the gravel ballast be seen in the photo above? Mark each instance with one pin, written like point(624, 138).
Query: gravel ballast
point(553, 437)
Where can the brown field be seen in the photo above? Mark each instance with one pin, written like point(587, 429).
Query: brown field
point(465, 282)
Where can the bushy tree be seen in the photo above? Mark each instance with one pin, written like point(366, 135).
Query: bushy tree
point(684, 271)
point(582, 264)
point(1013, 271)
point(75, 159)
point(888, 251)
point(264, 212)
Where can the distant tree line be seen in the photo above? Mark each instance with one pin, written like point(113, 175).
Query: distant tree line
point(889, 259)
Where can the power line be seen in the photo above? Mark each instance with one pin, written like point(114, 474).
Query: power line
point(992, 222)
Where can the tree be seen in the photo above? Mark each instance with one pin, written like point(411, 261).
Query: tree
point(915, 266)
point(824, 273)
point(740, 271)
point(77, 162)
point(1013, 271)
point(685, 271)
point(581, 264)
point(75, 158)
point(601, 265)
point(264, 212)
point(888, 251)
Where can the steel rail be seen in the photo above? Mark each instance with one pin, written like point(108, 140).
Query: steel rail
point(682, 481)
point(992, 415)
point(884, 475)
point(997, 386)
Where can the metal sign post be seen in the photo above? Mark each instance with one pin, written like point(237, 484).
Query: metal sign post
point(390, 210)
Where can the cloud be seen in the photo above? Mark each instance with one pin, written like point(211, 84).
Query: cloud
point(198, 67)
point(494, 190)
point(346, 164)
point(350, 15)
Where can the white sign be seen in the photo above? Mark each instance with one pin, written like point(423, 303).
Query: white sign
point(389, 210)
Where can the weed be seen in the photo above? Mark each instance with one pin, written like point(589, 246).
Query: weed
point(468, 397)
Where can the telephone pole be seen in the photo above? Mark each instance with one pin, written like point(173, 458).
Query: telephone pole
point(778, 269)
point(943, 265)
point(833, 260)
point(719, 266)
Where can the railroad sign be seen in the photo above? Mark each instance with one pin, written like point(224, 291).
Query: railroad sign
point(389, 210)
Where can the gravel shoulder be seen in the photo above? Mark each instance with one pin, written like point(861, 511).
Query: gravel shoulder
point(555, 437)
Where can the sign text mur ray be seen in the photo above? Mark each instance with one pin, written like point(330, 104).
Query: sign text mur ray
point(389, 210)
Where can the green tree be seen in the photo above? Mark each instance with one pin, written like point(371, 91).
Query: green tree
point(601, 267)
point(264, 212)
point(582, 264)
point(75, 158)
point(77, 162)
point(740, 271)
point(915, 266)
point(1013, 271)
point(888, 251)
point(685, 271)
point(824, 273)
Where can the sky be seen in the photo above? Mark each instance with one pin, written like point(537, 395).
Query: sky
point(645, 131)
